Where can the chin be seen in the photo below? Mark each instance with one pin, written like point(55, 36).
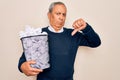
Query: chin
point(59, 27)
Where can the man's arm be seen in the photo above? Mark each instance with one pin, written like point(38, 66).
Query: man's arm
point(24, 66)
point(21, 61)
point(89, 37)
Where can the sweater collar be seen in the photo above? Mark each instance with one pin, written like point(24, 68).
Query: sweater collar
point(53, 30)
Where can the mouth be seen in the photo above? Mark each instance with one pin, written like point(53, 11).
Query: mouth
point(59, 27)
point(61, 23)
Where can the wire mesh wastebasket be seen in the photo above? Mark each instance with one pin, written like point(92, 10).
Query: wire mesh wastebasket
point(36, 48)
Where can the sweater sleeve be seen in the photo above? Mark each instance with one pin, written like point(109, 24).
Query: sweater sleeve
point(21, 60)
point(89, 37)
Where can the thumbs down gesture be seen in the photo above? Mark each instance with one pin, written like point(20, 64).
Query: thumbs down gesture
point(78, 25)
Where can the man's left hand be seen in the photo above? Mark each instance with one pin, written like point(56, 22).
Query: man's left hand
point(78, 25)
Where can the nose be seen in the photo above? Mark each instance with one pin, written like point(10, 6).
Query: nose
point(61, 17)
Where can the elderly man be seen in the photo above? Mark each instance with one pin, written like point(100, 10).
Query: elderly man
point(63, 45)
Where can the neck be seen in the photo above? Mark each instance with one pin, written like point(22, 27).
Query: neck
point(55, 30)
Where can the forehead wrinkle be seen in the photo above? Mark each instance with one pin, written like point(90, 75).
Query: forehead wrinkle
point(60, 10)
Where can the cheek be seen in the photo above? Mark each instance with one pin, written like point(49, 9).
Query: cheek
point(56, 18)
point(53, 18)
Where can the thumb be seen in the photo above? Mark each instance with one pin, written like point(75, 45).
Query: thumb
point(74, 32)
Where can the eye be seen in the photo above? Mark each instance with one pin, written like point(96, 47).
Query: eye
point(58, 13)
point(64, 14)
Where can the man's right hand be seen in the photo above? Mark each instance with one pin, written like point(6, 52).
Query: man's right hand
point(28, 70)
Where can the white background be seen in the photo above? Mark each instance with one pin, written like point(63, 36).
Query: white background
point(102, 63)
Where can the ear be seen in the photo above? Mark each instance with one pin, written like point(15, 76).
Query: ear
point(48, 14)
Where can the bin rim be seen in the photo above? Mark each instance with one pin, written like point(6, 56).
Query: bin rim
point(33, 36)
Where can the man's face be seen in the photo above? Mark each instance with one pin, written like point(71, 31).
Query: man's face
point(57, 17)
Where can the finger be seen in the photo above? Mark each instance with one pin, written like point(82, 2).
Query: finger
point(34, 71)
point(37, 70)
point(32, 74)
point(76, 25)
point(31, 62)
point(74, 32)
point(83, 22)
point(79, 23)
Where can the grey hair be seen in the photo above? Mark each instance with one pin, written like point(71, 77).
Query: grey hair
point(53, 4)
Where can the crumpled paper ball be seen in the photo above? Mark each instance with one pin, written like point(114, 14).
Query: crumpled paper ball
point(30, 31)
